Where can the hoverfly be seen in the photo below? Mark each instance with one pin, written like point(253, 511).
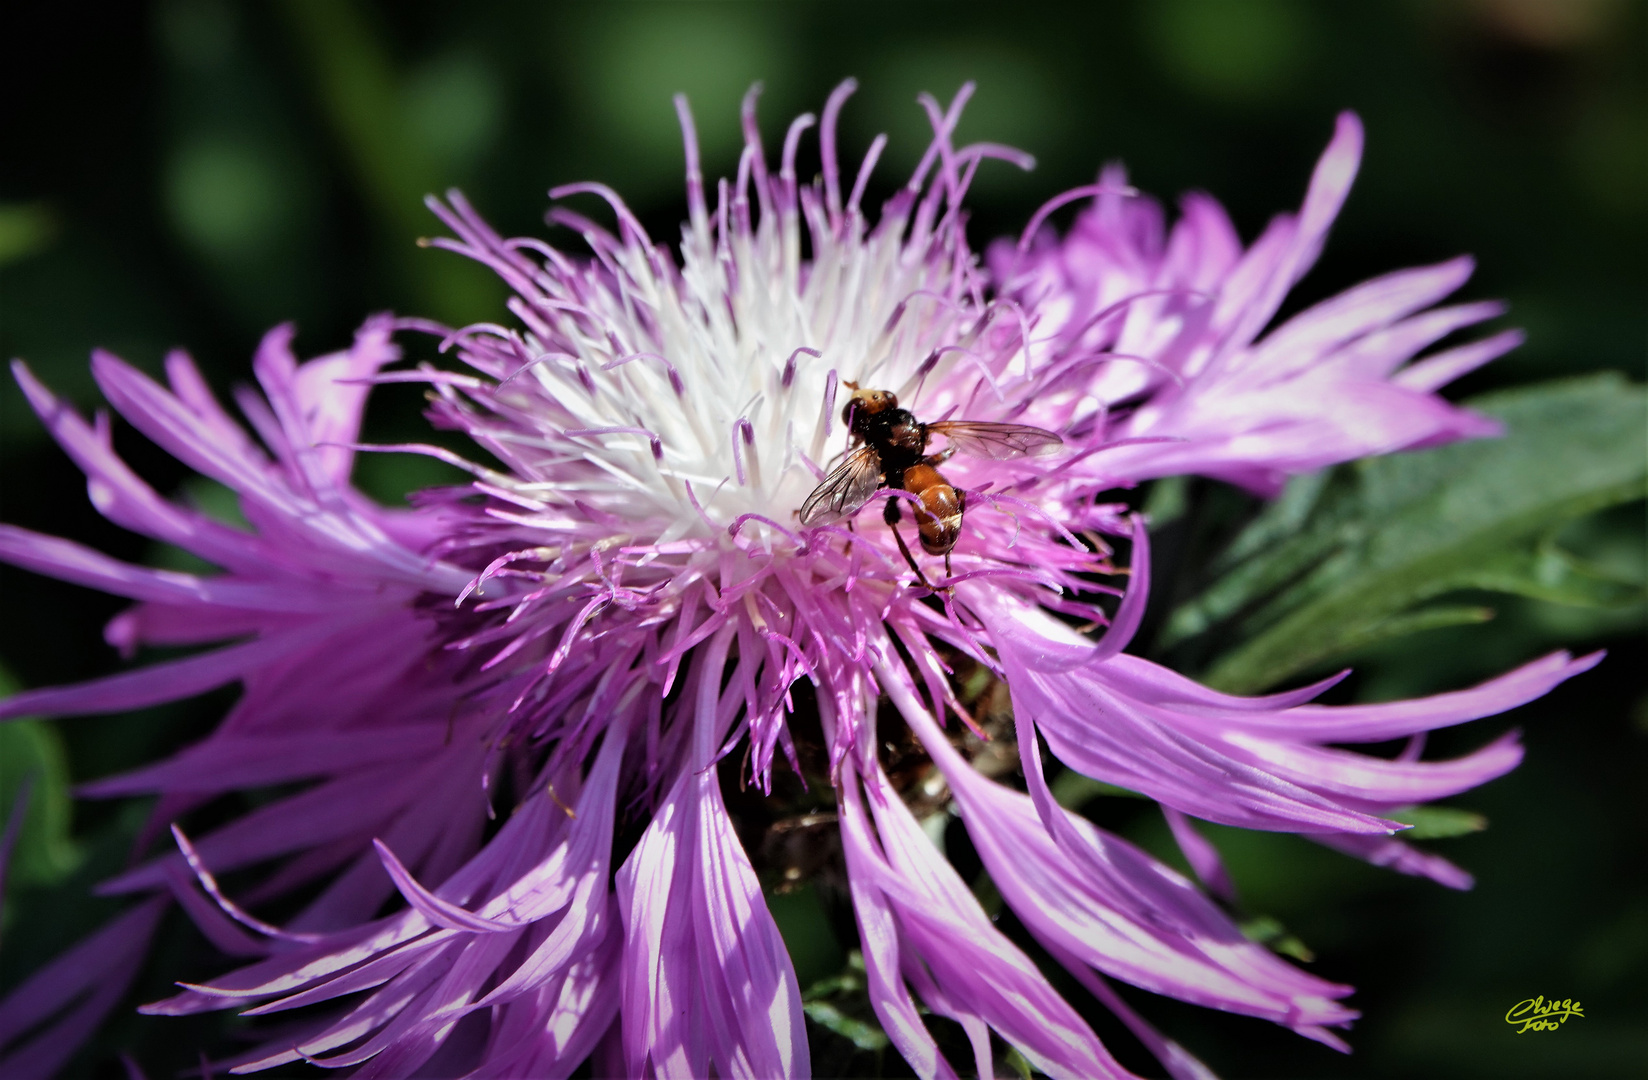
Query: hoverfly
point(892, 452)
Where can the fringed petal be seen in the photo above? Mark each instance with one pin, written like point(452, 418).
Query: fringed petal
point(86, 981)
point(941, 928)
point(706, 977)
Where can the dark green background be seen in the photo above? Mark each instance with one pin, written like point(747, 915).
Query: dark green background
point(190, 172)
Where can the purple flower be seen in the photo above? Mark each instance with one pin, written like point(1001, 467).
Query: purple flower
point(575, 640)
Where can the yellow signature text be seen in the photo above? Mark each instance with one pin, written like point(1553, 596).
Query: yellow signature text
point(1537, 1014)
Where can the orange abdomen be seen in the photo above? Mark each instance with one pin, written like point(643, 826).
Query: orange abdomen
point(938, 517)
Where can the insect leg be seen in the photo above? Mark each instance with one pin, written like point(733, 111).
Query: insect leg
point(911, 559)
point(961, 503)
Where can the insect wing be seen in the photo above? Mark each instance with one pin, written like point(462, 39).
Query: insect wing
point(983, 439)
point(848, 487)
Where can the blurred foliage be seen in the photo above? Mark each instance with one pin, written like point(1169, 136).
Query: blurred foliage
point(801, 920)
point(34, 783)
point(1342, 559)
point(1270, 932)
point(841, 1003)
point(25, 229)
point(192, 171)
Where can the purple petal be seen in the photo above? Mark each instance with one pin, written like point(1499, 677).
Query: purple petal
point(1404, 858)
point(1098, 899)
point(330, 392)
point(224, 761)
point(339, 809)
point(1203, 245)
point(1441, 368)
point(976, 969)
point(1374, 304)
point(1202, 856)
point(1180, 1063)
point(98, 969)
point(1345, 775)
point(1131, 611)
point(706, 975)
point(121, 496)
point(192, 439)
point(439, 912)
point(153, 684)
point(1389, 720)
point(1380, 353)
point(1139, 678)
point(69, 561)
point(1105, 735)
point(1219, 758)
point(879, 940)
point(1330, 184)
point(551, 1032)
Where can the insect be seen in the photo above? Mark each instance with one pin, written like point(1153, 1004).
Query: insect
point(891, 452)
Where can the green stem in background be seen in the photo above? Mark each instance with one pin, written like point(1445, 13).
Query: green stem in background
point(359, 94)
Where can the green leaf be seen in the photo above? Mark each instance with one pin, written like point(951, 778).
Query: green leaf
point(31, 752)
point(850, 993)
point(1350, 557)
point(865, 1036)
point(1014, 1059)
point(1269, 932)
point(849, 980)
point(1437, 822)
point(1412, 622)
point(1546, 572)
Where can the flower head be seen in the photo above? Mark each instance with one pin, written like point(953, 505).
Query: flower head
point(626, 595)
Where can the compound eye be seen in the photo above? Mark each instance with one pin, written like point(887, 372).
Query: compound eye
point(889, 400)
